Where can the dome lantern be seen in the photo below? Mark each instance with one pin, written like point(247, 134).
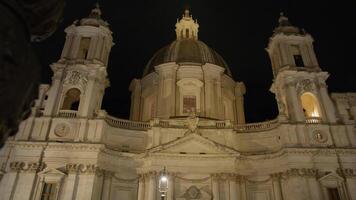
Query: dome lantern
point(186, 27)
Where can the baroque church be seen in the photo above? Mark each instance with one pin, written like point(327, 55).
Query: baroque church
point(186, 138)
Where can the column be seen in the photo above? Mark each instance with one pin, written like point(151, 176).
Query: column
point(239, 102)
point(233, 188)
point(294, 107)
point(276, 187)
point(107, 185)
point(53, 95)
point(87, 99)
point(152, 187)
point(141, 187)
point(243, 188)
point(70, 187)
point(215, 186)
point(329, 108)
point(8, 184)
point(170, 192)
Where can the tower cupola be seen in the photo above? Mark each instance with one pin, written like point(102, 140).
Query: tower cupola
point(186, 27)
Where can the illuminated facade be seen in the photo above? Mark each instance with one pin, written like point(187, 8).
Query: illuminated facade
point(186, 117)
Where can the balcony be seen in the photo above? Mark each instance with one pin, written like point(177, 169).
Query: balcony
point(313, 120)
point(67, 113)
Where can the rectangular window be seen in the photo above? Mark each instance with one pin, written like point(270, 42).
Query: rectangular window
point(298, 60)
point(189, 104)
point(84, 47)
point(333, 194)
point(49, 191)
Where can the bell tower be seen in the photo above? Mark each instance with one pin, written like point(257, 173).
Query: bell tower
point(299, 83)
point(80, 75)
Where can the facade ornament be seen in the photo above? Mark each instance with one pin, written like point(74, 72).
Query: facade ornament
point(84, 169)
point(193, 192)
point(192, 122)
point(302, 172)
point(348, 172)
point(305, 85)
point(76, 78)
point(319, 136)
point(61, 129)
point(26, 166)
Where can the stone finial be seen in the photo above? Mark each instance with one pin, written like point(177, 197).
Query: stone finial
point(283, 20)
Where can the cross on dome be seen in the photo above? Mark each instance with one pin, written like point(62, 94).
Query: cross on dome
point(187, 28)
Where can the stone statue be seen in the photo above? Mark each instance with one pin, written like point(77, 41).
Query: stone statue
point(192, 122)
point(23, 22)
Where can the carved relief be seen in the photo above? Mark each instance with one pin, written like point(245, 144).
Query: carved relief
point(305, 85)
point(26, 166)
point(346, 172)
point(84, 169)
point(192, 193)
point(62, 130)
point(76, 78)
point(320, 136)
point(303, 172)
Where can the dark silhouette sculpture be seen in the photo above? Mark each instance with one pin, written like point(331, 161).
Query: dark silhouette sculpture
point(22, 22)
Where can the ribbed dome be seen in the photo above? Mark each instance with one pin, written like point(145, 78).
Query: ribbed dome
point(186, 51)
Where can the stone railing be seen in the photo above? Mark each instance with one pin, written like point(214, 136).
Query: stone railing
point(313, 120)
point(255, 127)
point(67, 113)
point(122, 123)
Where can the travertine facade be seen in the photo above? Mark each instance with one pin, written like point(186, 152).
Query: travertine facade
point(186, 116)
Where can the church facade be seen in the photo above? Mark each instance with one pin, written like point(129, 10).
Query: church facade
point(186, 138)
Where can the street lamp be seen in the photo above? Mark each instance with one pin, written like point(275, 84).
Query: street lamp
point(163, 183)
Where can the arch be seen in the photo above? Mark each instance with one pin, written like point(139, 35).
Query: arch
point(310, 105)
point(187, 33)
point(71, 99)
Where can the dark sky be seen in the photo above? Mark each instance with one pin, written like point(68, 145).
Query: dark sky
point(238, 30)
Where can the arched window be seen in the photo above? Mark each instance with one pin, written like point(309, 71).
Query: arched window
point(187, 33)
point(310, 105)
point(71, 100)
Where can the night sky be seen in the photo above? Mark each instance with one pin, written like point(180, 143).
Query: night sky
point(237, 30)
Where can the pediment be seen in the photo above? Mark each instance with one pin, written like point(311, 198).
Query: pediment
point(331, 180)
point(51, 171)
point(193, 144)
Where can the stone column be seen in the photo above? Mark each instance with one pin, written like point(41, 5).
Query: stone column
point(277, 186)
point(294, 106)
point(243, 188)
point(53, 94)
point(215, 186)
point(170, 192)
point(152, 187)
point(135, 88)
point(233, 187)
point(107, 184)
point(70, 187)
point(141, 187)
point(329, 108)
point(239, 102)
point(8, 184)
point(87, 99)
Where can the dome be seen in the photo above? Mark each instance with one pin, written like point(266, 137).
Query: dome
point(190, 51)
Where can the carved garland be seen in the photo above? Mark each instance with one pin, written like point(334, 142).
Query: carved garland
point(305, 85)
point(26, 166)
point(76, 78)
point(84, 169)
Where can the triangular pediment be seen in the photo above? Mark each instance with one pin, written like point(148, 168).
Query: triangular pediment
point(193, 144)
point(51, 171)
